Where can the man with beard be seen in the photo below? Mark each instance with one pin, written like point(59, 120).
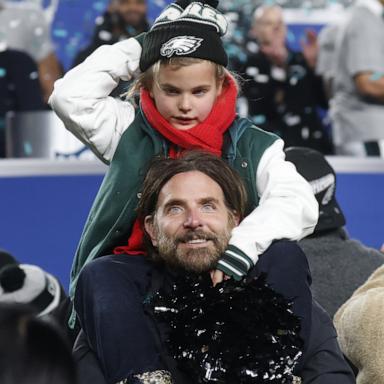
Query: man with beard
point(188, 208)
point(122, 19)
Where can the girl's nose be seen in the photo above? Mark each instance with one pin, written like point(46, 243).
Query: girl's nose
point(184, 103)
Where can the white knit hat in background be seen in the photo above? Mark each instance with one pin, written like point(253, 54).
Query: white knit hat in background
point(29, 284)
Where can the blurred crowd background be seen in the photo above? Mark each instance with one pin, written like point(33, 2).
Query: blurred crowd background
point(285, 52)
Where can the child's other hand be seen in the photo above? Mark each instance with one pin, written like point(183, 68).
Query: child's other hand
point(218, 276)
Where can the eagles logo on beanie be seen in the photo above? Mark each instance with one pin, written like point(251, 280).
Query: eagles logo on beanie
point(186, 29)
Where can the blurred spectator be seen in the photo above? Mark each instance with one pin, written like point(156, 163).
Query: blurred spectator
point(123, 19)
point(357, 108)
point(19, 87)
point(29, 284)
point(32, 351)
point(23, 27)
point(338, 264)
point(237, 13)
point(325, 66)
point(282, 91)
point(359, 323)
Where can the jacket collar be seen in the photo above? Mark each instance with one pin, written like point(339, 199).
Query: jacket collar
point(231, 138)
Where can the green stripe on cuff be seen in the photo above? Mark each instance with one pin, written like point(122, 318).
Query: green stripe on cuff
point(239, 252)
point(234, 263)
point(229, 272)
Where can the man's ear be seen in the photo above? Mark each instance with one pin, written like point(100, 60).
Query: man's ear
point(150, 229)
point(236, 218)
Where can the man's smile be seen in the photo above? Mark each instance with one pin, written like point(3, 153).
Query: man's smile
point(196, 240)
point(196, 243)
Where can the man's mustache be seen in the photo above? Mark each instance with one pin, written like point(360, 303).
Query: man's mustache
point(196, 235)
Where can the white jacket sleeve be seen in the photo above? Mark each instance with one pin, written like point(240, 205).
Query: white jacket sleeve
point(287, 208)
point(81, 98)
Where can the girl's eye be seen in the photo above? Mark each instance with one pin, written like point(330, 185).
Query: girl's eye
point(200, 92)
point(171, 92)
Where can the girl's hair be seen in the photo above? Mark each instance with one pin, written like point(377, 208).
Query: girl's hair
point(151, 75)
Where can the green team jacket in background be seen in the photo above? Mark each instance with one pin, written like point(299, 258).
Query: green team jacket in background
point(112, 215)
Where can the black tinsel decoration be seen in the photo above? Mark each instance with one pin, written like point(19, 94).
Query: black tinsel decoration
point(237, 332)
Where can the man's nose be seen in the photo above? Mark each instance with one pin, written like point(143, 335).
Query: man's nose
point(193, 220)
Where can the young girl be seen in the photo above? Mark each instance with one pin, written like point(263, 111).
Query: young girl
point(187, 101)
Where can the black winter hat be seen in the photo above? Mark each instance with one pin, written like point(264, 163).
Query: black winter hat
point(314, 167)
point(186, 29)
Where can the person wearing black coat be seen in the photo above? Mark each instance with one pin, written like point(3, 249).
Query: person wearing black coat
point(19, 87)
point(281, 91)
point(123, 19)
point(322, 363)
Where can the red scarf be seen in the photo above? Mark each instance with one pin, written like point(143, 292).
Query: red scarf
point(207, 135)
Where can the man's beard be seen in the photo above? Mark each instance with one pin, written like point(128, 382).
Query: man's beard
point(199, 259)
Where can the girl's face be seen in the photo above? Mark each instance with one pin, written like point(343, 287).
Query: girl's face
point(184, 96)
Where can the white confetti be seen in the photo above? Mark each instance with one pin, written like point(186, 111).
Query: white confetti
point(39, 31)
point(33, 75)
point(14, 23)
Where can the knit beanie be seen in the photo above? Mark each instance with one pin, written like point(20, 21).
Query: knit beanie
point(314, 167)
point(186, 29)
point(29, 284)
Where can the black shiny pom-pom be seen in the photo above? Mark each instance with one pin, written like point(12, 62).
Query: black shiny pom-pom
point(237, 332)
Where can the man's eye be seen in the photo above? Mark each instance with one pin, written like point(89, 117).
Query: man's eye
point(174, 210)
point(208, 207)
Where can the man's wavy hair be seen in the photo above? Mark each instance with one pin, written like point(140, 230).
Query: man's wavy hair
point(161, 170)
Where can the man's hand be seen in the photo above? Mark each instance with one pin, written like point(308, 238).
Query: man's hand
point(218, 276)
point(310, 48)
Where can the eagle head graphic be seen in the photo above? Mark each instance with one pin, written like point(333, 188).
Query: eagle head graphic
point(180, 45)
